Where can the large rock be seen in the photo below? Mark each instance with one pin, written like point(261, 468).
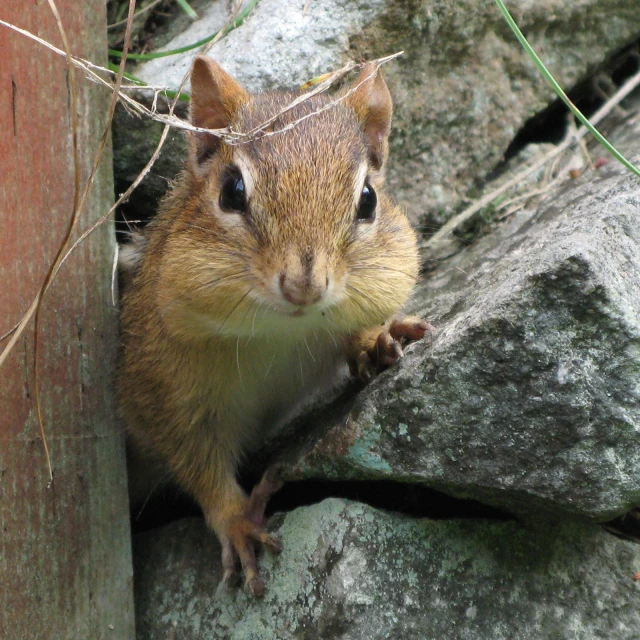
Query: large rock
point(528, 397)
point(462, 90)
point(350, 571)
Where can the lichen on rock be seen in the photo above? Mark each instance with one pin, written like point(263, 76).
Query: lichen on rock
point(350, 571)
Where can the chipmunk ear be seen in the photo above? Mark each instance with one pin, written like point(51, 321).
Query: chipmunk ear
point(215, 100)
point(371, 101)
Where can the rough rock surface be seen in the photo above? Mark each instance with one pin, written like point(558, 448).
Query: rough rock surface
point(134, 141)
point(462, 90)
point(348, 571)
point(528, 397)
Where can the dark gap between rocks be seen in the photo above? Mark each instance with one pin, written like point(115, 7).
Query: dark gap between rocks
point(550, 124)
point(626, 527)
point(161, 508)
point(408, 499)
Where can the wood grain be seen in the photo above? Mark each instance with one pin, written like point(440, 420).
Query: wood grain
point(65, 562)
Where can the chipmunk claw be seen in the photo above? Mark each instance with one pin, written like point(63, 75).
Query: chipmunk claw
point(244, 536)
point(385, 352)
point(409, 328)
point(364, 369)
point(266, 539)
point(271, 482)
point(256, 586)
point(230, 575)
point(246, 531)
point(386, 347)
point(230, 579)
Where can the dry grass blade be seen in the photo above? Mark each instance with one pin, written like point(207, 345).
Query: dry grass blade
point(92, 70)
point(78, 62)
point(319, 88)
point(4, 336)
point(72, 223)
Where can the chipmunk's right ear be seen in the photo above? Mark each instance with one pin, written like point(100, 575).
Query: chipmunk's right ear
point(369, 97)
point(215, 100)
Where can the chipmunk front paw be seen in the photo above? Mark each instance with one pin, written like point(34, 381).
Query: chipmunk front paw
point(245, 531)
point(377, 348)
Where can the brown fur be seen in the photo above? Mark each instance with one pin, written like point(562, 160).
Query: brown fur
point(213, 354)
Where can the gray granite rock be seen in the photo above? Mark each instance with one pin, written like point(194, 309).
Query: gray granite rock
point(350, 572)
point(462, 90)
point(528, 397)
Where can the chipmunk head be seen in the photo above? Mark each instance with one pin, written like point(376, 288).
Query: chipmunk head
point(287, 226)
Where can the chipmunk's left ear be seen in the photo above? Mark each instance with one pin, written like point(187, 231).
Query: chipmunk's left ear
point(371, 101)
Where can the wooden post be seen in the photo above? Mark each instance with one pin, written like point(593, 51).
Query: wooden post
point(65, 561)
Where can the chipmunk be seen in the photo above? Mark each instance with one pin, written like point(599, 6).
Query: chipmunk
point(272, 262)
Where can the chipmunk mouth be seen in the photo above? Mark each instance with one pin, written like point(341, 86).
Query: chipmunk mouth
point(298, 312)
point(300, 308)
point(307, 313)
point(292, 299)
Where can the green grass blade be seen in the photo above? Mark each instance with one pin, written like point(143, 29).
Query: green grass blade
point(184, 5)
point(242, 16)
point(558, 89)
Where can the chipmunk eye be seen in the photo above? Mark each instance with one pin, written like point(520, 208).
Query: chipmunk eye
point(367, 205)
point(232, 194)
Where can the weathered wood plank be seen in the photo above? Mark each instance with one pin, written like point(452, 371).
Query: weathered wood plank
point(65, 565)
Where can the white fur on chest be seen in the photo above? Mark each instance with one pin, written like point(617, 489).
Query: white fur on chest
point(272, 380)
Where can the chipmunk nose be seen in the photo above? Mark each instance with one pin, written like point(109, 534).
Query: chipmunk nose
point(305, 279)
point(302, 292)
